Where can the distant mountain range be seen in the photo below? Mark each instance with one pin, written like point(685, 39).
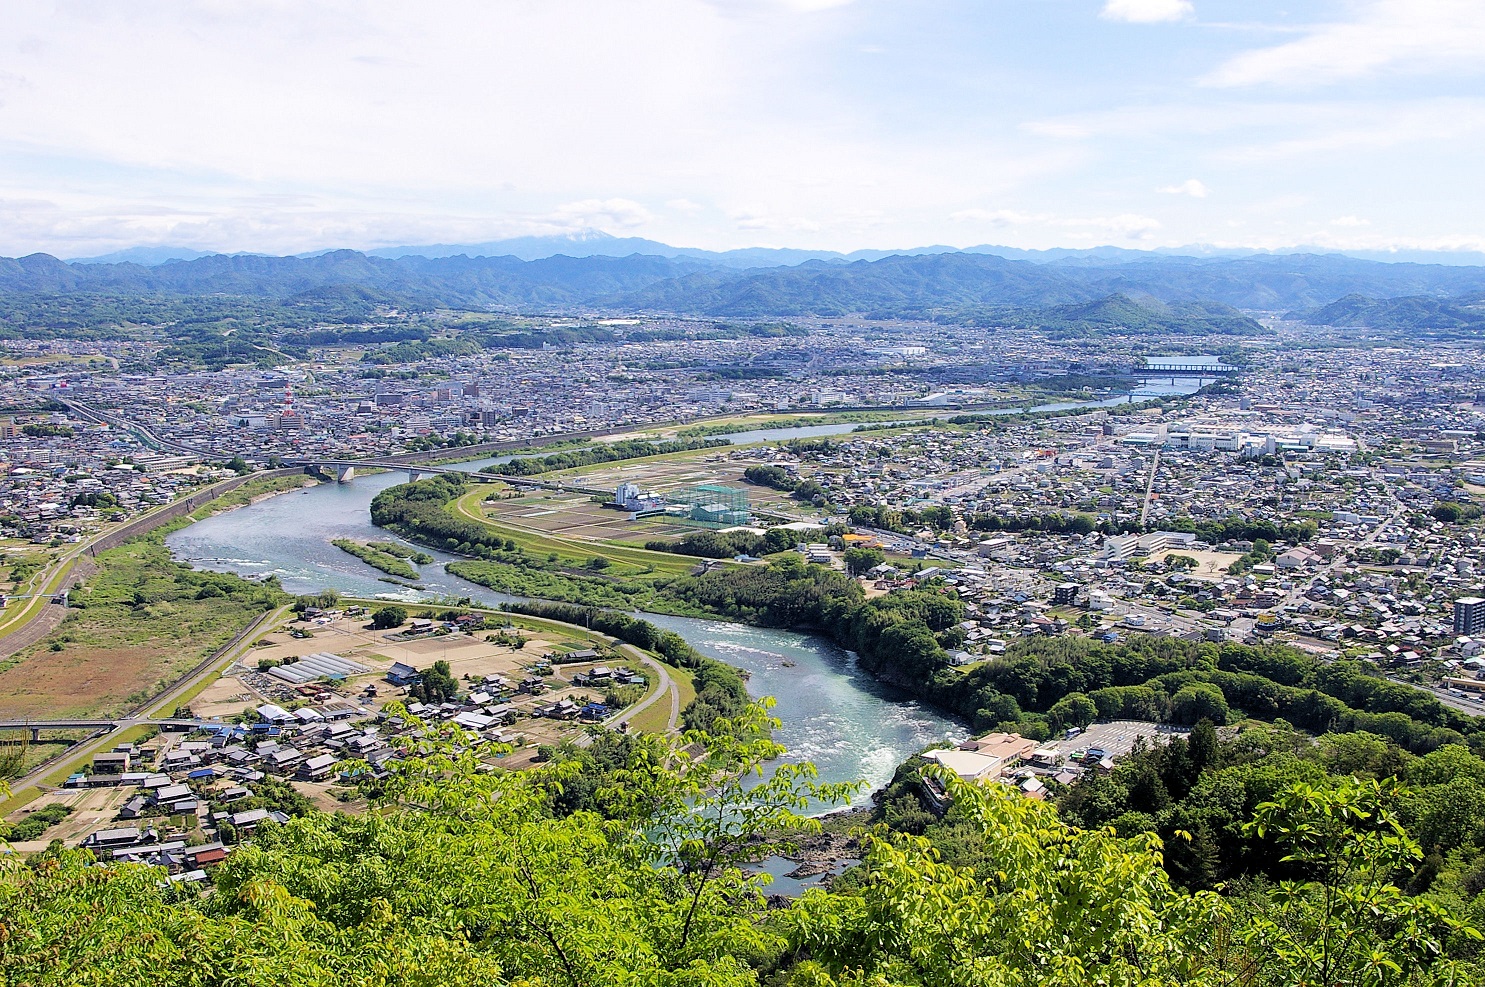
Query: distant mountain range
point(899, 285)
point(596, 243)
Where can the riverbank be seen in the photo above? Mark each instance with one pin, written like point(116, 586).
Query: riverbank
point(833, 713)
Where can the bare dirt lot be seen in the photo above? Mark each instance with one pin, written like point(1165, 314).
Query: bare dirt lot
point(92, 809)
point(1210, 566)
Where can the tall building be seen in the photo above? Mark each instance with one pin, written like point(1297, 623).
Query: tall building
point(1469, 615)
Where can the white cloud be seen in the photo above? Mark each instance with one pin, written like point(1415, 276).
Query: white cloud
point(1349, 221)
point(1190, 186)
point(755, 220)
point(624, 214)
point(1147, 11)
point(1131, 226)
point(1403, 35)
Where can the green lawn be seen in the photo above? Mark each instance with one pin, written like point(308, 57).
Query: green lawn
point(573, 551)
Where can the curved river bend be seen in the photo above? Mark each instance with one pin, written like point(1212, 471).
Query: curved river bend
point(851, 726)
point(848, 724)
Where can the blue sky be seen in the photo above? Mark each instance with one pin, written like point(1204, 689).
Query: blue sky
point(287, 125)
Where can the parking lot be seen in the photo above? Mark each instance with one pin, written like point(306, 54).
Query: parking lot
point(1117, 738)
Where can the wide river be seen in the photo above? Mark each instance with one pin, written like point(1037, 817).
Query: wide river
point(851, 726)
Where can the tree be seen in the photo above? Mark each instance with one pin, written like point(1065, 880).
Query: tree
point(1199, 701)
point(861, 560)
point(436, 684)
point(623, 863)
point(1202, 746)
point(388, 617)
point(1344, 922)
point(1073, 710)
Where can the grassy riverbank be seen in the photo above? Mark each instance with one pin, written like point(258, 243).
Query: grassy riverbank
point(251, 491)
point(139, 622)
point(136, 625)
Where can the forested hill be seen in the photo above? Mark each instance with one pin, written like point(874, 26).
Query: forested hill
point(1116, 313)
point(898, 285)
point(449, 281)
point(1408, 314)
point(915, 286)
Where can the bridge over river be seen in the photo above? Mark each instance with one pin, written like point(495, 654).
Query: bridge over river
point(345, 471)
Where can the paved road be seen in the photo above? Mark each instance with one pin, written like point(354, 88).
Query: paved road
point(667, 688)
point(1150, 486)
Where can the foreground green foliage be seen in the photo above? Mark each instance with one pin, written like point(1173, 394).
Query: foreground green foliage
point(623, 864)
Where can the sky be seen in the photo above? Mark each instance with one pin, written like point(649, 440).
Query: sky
point(282, 126)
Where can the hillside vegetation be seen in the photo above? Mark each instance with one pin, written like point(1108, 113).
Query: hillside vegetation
point(622, 864)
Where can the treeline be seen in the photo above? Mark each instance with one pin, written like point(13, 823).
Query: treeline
point(720, 692)
point(1054, 522)
point(416, 350)
point(1041, 683)
point(1235, 527)
point(606, 452)
point(907, 520)
point(415, 510)
point(770, 476)
point(728, 544)
point(900, 636)
point(808, 491)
